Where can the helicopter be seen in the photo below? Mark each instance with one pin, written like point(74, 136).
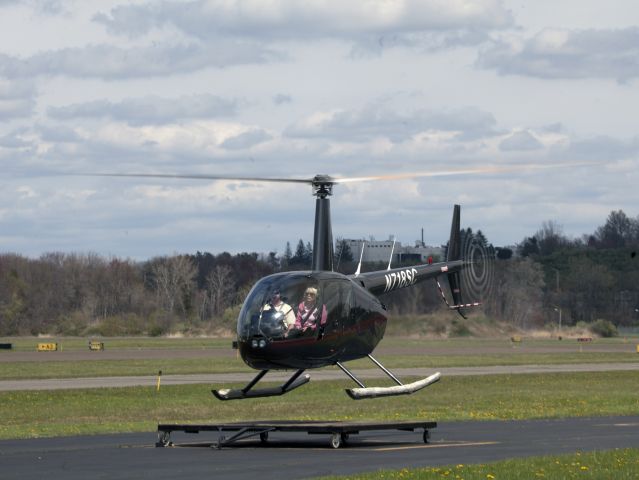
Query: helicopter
point(339, 317)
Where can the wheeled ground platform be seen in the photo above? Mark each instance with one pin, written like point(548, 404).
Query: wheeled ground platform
point(339, 431)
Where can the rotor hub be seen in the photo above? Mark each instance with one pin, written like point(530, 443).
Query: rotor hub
point(322, 186)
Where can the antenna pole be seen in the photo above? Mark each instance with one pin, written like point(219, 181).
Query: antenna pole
point(390, 260)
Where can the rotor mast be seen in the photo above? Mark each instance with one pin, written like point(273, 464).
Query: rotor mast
point(323, 234)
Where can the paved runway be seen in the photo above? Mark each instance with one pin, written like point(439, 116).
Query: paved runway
point(221, 379)
point(292, 455)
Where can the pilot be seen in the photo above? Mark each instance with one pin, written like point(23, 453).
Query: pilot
point(309, 313)
point(276, 303)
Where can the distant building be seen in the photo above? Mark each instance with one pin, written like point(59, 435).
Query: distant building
point(380, 251)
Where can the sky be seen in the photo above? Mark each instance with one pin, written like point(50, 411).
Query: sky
point(283, 88)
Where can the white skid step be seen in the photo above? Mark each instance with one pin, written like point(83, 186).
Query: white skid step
point(372, 392)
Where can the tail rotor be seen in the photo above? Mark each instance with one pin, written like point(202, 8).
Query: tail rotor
point(474, 280)
point(477, 276)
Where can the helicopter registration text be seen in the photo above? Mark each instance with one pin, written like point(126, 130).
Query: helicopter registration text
point(400, 279)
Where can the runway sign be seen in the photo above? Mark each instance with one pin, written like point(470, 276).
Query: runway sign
point(47, 347)
point(96, 346)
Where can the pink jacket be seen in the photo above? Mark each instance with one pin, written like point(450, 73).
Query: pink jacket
point(307, 318)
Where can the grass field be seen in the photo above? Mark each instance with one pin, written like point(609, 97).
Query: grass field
point(111, 368)
point(118, 343)
point(619, 464)
point(169, 366)
point(393, 352)
point(68, 412)
point(29, 344)
point(31, 414)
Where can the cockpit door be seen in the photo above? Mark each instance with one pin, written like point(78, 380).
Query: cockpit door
point(337, 298)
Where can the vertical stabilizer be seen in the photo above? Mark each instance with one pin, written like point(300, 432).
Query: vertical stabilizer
point(454, 244)
point(454, 253)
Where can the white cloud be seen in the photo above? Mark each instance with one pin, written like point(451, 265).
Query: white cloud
point(396, 21)
point(149, 109)
point(110, 62)
point(15, 140)
point(45, 7)
point(604, 148)
point(562, 53)
point(281, 99)
point(375, 121)
point(247, 139)
point(270, 88)
point(115, 147)
point(520, 140)
point(17, 99)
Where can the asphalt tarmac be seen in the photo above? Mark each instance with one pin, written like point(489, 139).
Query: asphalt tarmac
point(298, 455)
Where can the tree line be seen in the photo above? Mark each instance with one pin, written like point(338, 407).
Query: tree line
point(586, 279)
point(595, 277)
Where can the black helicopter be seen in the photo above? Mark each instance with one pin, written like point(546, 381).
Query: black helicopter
point(339, 317)
point(303, 320)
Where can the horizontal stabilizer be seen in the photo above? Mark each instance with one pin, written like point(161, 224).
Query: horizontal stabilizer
point(238, 394)
point(372, 392)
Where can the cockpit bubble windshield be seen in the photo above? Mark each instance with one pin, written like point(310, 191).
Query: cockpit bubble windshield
point(281, 307)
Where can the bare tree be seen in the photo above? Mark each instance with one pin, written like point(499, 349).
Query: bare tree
point(617, 231)
point(220, 287)
point(518, 295)
point(550, 237)
point(174, 279)
point(590, 289)
point(13, 301)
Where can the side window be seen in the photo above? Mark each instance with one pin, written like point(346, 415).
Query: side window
point(336, 297)
point(359, 305)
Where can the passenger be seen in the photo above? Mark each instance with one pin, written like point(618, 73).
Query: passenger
point(308, 313)
point(276, 303)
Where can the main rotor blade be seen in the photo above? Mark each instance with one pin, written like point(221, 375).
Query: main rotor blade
point(467, 171)
point(308, 181)
point(328, 180)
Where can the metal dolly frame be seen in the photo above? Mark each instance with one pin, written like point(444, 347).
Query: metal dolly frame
point(339, 431)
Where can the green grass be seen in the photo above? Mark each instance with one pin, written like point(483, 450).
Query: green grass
point(566, 343)
point(117, 368)
point(28, 414)
point(514, 358)
point(617, 464)
point(116, 343)
point(175, 366)
point(417, 353)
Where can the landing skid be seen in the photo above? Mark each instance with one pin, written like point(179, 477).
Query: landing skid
point(407, 389)
point(297, 380)
point(248, 392)
point(373, 392)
